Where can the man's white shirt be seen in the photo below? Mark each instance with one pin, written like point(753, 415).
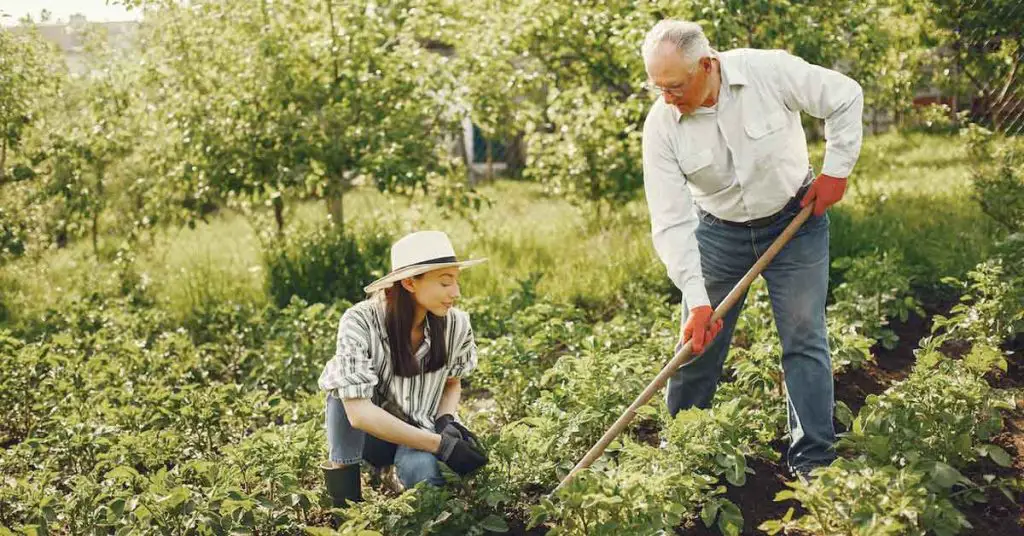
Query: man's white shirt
point(745, 157)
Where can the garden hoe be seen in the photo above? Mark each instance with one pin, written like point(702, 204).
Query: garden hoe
point(685, 354)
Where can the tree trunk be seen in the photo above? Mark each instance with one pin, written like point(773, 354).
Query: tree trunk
point(515, 158)
point(334, 42)
point(3, 160)
point(897, 115)
point(278, 203)
point(335, 209)
point(463, 149)
point(1003, 98)
point(955, 103)
point(335, 189)
point(99, 169)
point(266, 16)
point(95, 232)
point(987, 112)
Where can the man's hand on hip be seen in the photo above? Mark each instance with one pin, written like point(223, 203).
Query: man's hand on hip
point(824, 192)
point(698, 327)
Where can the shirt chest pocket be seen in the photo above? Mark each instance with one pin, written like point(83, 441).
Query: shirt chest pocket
point(765, 132)
point(701, 173)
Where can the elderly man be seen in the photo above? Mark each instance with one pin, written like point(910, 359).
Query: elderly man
point(725, 170)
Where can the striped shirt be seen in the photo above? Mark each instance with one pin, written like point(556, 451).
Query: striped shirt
point(361, 366)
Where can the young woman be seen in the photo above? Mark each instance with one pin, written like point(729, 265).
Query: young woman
point(393, 385)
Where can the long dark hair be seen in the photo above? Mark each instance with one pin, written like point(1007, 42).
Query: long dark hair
point(401, 306)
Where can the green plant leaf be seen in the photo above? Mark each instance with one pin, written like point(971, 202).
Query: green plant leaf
point(494, 523)
point(998, 455)
point(730, 519)
point(945, 475)
point(709, 512)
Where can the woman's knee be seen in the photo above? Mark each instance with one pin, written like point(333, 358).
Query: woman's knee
point(415, 466)
point(344, 443)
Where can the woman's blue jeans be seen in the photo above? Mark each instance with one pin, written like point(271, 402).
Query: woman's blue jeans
point(349, 446)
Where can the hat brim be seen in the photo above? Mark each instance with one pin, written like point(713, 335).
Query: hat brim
point(412, 271)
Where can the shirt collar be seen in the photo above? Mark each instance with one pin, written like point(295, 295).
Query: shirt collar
point(731, 76)
point(421, 352)
point(426, 331)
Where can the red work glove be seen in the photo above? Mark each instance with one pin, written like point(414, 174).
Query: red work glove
point(698, 327)
point(825, 191)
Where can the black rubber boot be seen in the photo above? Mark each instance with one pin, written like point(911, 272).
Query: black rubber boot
point(343, 485)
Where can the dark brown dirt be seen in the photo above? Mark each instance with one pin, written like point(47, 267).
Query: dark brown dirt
point(1000, 515)
point(1013, 378)
point(853, 386)
point(900, 359)
point(756, 499)
point(648, 432)
point(517, 526)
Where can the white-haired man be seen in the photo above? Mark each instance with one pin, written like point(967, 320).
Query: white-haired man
point(725, 170)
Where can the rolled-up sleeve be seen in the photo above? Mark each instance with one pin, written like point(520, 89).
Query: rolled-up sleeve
point(673, 214)
point(828, 95)
point(463, 352)
point(351, 372)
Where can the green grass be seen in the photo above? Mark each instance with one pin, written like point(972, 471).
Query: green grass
point(523, 233)
point(909, 192)
point(912, 193)
point(190, 269)
point(28, 287)
point(184, 269)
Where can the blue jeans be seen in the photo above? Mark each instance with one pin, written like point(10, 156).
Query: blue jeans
point(348, 445)
point(797, 284)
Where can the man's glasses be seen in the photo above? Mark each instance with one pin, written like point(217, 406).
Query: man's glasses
point(675, 91)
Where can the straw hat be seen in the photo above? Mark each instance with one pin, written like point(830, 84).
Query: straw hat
point(418, 253)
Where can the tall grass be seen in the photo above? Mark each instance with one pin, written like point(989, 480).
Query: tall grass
point(194, 269)
point(522, 234)
point(912, 193)
point(29, 286)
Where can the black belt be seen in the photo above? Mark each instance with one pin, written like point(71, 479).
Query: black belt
point(757, 223)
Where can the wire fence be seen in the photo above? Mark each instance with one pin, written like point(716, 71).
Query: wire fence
point(986, 67)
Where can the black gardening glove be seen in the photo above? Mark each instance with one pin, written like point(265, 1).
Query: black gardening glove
point(460, 455)
point(447, 425)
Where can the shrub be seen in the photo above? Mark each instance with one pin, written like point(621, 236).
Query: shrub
point(324, 264)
